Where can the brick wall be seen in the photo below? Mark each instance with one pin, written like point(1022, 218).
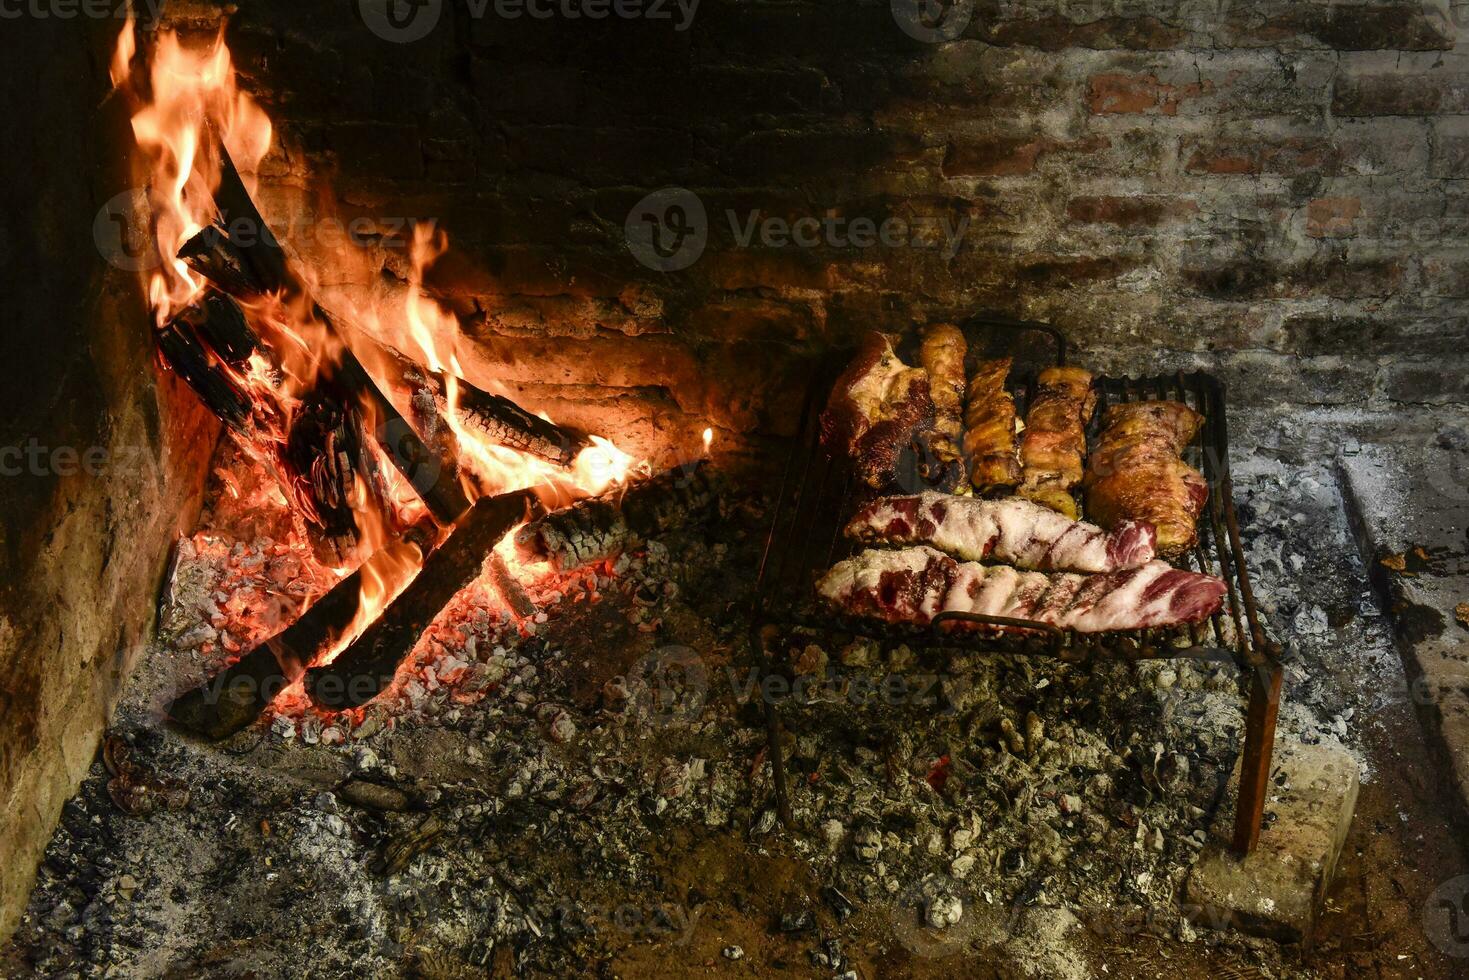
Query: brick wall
point(1273, 189)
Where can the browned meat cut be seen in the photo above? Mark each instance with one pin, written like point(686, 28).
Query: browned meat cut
point(876, 408)
point(1054, 444)
point(989, 429)
point(1136, 472)
point(942, 355)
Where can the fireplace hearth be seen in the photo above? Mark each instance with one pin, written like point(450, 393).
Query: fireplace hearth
point(433, 491)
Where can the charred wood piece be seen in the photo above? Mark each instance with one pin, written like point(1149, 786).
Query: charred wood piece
point(231, 700)
point(509, 588)
point(212, 254)
point(322, 452)
point(600, 528)
point(505, 423)
point(183, 350)
point(366, 668)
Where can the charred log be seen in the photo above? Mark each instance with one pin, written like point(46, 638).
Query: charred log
point(212, 254)
point(232, 699)
point(323, 452)
point(366, 668)
point(505, 423)
point(603, 527)
point(509, 589)
point(183, 350)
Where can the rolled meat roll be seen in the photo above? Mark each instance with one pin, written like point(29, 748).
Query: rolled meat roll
point(989, 429)
point(1054, 444)
point(942, 356)
point(1137, 472)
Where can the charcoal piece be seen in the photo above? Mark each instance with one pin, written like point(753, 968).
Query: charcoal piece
point(603, 527)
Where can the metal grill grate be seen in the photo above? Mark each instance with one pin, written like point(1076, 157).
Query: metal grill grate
point(818, 494)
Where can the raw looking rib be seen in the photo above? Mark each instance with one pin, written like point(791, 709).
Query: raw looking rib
point(1014, 531)
point(913, 585)
point(905, 586)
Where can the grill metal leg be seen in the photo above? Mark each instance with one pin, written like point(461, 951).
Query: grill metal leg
point(773, 749)
point(1254, 775)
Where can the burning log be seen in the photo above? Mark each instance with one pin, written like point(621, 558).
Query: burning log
point(182, 346)
point(366, 668)
point(232, 699)
point(505, 423)
point(509, 589)
point(248, 258)
point(323, 451)
point(214, 256)
point(602, 527)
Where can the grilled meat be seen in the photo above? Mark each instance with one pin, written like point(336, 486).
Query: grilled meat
point(1054, 443)
point(1014, 531)
point(1136, 472)
point(989, 429)
point(913, 585)
point(876, 408)
point(942, 356)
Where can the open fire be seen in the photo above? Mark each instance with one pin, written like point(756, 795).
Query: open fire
point(402, 473)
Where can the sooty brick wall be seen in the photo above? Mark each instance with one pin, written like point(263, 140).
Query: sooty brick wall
point(1275, 189)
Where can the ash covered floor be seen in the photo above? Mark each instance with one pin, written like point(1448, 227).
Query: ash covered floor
point(593, 799)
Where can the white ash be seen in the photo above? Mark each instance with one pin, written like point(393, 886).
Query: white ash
point(1039, 795)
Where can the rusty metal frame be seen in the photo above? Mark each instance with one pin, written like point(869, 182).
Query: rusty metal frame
point(818, 492)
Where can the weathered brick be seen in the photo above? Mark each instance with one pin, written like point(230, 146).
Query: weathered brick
point(1254, 156)
point(999, 156)
point(1446, 276)
point(1333, 217)
point(1253, 278)
point(1406, 94)
point(376, 150)
point(1129, 212)
point(788, 152)
point(1424, 382)
point(1450, 160)
point(1411, 25)
point(1117, 92)
point(1051, 31)
point(1330, 333)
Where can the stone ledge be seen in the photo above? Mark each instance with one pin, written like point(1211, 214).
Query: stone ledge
point(1278, 890)
point(1409, 506)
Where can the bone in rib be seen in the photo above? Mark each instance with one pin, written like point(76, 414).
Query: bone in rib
point(913, 585)
point(363, 670)
point(1015, 531)
point(603, 527)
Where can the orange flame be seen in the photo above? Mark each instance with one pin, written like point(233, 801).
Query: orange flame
point(191, 92)
point(432, 333)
